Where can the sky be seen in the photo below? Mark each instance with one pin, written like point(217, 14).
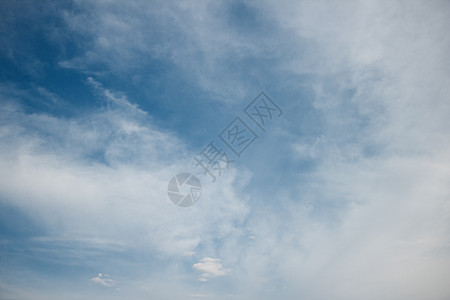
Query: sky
point(344, 193)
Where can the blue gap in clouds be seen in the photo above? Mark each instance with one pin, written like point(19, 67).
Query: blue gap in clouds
point(246, 19)
point(36, 40)
point(174, 99)
point(172, 102)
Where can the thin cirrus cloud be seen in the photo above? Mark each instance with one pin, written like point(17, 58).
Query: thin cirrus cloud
point(184, 34)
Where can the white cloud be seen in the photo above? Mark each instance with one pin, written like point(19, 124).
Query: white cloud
point(104, 280)
point(364, 225)
point(210, 268)
point(55, 159)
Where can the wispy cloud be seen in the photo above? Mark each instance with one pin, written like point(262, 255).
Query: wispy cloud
point(185, 34)
point(85, 169)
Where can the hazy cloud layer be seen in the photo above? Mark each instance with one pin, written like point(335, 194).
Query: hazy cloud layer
point(346, 197)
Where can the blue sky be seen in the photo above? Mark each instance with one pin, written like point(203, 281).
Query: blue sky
point(344, 196)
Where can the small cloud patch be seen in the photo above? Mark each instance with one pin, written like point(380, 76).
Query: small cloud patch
point(210, 268)
point(104, 280)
